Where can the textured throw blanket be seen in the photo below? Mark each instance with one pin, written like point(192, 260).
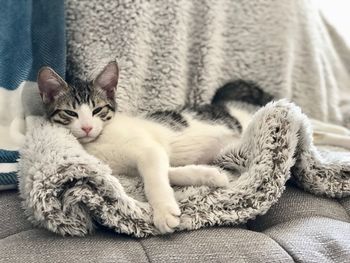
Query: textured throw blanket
point(173, 53)
point(31, 35)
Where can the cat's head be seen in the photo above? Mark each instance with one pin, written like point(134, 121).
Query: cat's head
point(83, 107)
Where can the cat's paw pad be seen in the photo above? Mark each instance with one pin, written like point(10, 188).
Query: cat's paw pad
point(166, 217)
point(217, 178)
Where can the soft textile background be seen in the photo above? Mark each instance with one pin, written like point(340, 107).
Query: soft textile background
point(176, 52)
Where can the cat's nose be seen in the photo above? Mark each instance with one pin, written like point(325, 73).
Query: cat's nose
point(86, 129)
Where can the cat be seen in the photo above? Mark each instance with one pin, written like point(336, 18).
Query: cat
point(164, 147)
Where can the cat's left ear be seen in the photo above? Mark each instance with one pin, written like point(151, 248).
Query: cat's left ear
point(107, 80)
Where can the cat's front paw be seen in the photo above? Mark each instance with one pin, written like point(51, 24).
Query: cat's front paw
point(217, 178)
point(166, 217)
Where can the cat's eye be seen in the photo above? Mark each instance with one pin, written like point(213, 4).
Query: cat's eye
point(97, 110)
point(71, 113)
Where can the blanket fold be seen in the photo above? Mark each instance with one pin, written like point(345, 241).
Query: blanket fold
point(68, 191)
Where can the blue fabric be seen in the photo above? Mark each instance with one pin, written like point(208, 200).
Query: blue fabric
point(8, 156)
point(8, 178)
point(32, 34)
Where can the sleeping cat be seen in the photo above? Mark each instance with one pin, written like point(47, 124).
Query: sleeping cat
point(163, 147)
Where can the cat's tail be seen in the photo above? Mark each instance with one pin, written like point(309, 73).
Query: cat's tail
point(241, 91)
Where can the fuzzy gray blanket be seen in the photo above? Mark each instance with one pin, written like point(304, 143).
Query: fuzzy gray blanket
point(66, 190)
point(175, 53)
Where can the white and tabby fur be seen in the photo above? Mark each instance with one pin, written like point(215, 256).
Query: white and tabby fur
point(160, 154)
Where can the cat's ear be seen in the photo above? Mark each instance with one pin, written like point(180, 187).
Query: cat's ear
point(50, 84)
point(107, 79)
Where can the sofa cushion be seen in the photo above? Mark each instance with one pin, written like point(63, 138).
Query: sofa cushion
point(296, 203)
point(300, 227)
point(314, 239)
point(12, 216)
point(346, 204)
point(221, 244)
point(38, 245)
point(205, 245)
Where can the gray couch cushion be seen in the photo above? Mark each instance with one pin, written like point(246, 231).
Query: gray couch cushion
point(346, 204)
point(224, 244)
point(39, 245)
point(295, 204)
point(299, 227)
point(12, 217)
point(205, 245)
point(314, 239)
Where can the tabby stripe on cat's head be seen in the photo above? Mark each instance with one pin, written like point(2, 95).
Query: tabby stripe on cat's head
point(59, 116)
point(54, 113)
point(106, 113)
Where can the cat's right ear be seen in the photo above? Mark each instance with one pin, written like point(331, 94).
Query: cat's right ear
point(50, 84)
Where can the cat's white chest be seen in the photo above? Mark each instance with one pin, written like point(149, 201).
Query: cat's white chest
point(123, 142)
point(112, 151)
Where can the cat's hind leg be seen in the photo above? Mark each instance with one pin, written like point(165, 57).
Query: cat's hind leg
point(330, 134)
point(319, 126)
point(326, 138)
point(198, 175)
